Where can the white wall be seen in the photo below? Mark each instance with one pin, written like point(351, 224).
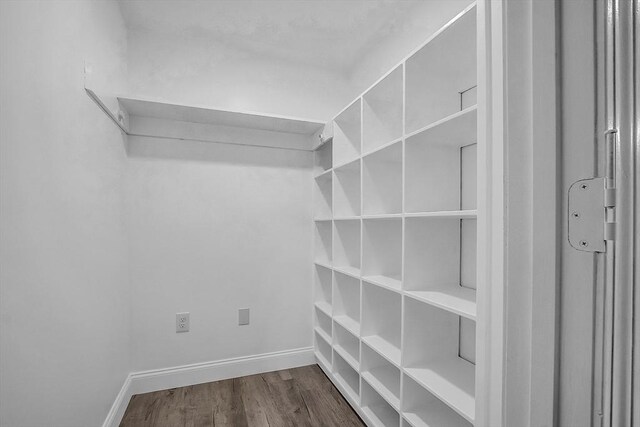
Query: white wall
point(214, 228)
point(387, 50)
point(64, 285)
point(204, 71)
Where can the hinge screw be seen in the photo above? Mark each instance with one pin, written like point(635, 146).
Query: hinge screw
point(583, 186)
point(584, 243)
point(575, 215)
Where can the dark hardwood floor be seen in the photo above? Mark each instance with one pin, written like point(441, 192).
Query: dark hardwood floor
point(292, 397)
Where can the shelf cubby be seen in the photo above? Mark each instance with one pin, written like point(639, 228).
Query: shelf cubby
point(323, 158)
point(381, 320)
point(347, 346)
point(322, 349)
point(323, 196)
point(346, 246)
point(423, 409)
point(346, 302)
point(323, 239)
point(377, 409)
point(323, 323)
point(347, 377)
point(442, 75)
point(383, 376)
point(347, 134)
point(346, 196)
point(440, 263)
point(440, 168)
point(382, 181)
point(382, 252)
point(431, 356)
point(322, 288)
point(382, 112)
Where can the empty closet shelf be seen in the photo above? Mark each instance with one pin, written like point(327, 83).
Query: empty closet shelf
point(453, 298)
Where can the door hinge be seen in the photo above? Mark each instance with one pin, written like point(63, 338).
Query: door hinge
point(591, 206)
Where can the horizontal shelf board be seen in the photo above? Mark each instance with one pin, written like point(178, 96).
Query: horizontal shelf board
point(372, 379)
point(346, 218)
point(384, 348)
point(349, 271)
point(324, 175)
point(452, 381)
point(323, 264)
point(391, 283)
point(346, 387)
point(458, 129)
point(347, 357)
point(324, 306)
point(348, 323)
point(323, 361)
point(382, 147)
point(322, 219)
point(346, 167)
point(382, 216)
point(470, 213)
point(373, 412)
point(199, 114)
point(323, 334)
point(437, 417)
point(453, 298)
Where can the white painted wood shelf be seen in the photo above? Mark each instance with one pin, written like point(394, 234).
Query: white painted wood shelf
point(396, 238)
point(146, 117)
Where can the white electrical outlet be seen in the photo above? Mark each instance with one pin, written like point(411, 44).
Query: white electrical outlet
point(182, 322)
point(243, 316)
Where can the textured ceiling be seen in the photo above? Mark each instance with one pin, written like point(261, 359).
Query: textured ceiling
point(328, 33)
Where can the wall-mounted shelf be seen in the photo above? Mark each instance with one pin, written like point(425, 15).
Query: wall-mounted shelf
point(146, 117)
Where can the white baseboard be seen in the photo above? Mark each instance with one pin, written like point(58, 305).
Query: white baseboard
point(180, 376)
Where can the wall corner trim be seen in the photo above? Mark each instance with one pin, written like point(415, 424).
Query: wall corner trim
point(197, 373)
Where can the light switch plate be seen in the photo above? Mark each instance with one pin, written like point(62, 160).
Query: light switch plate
point(243, 316)
point(182, 322)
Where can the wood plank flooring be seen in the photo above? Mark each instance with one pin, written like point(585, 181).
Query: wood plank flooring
point(292, 397)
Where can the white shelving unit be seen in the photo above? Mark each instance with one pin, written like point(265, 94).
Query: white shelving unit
point(346, 246)
point(382, 112)
point(381, 319)
point(347, 134)
point(323, 196)
point(382, 181)
point(401, 240)
point(323, 238)
point(382, 252)
point(347, 190)
point(346, 308)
